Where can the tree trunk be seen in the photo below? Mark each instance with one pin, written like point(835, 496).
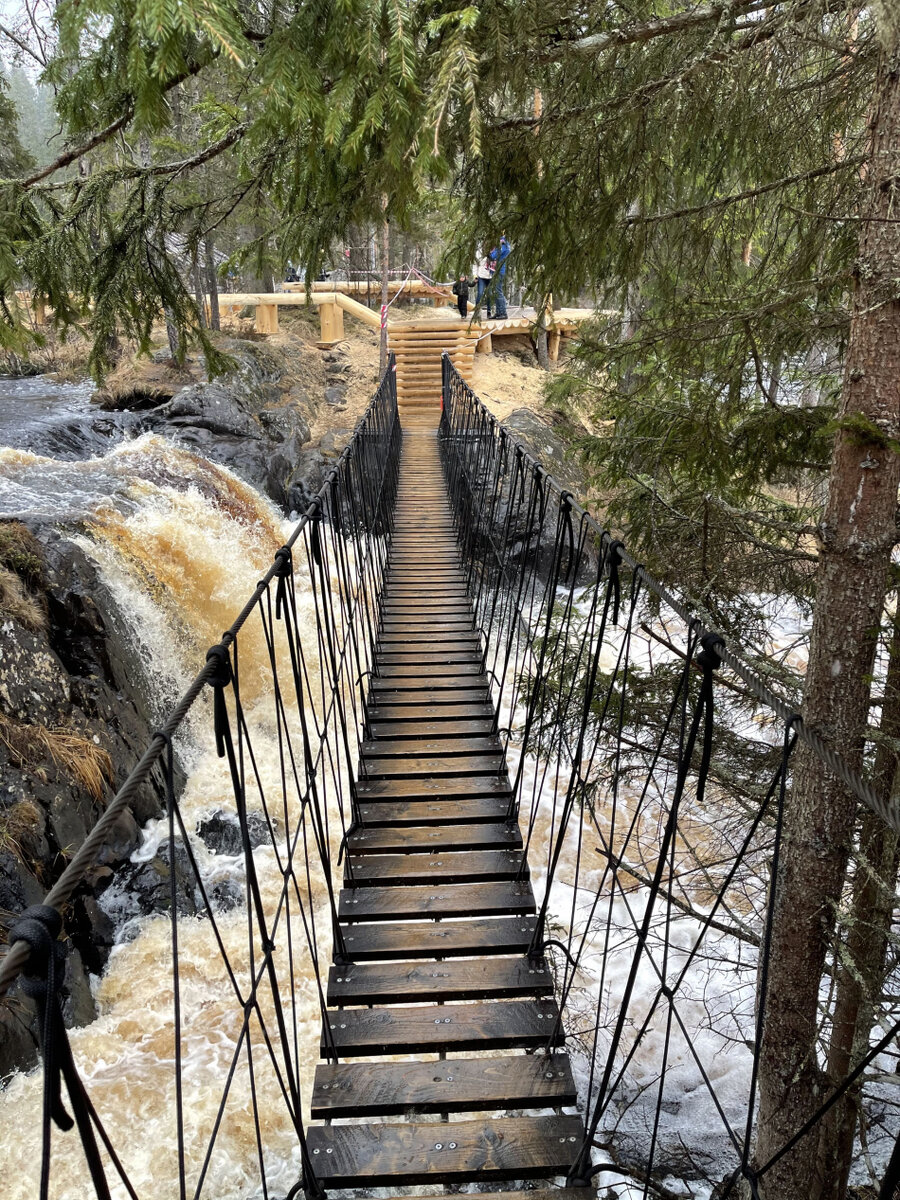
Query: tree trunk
point(199, 297)
point(385, 268)
point(861, 976)
point(857, 534)
point(212, 282)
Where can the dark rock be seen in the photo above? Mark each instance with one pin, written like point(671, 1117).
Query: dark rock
point(221, 832)
point(332, 444)
point(34, 685)
point(306, 479)
point(78, 1005)
point(18, 886)
point(99, 929)
point(335, 395)
point(210, 406)
point(547, 447)
point(18, 1034)
point(142, 888)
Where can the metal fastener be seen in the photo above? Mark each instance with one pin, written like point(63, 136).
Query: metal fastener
point(452, 1145)
point(438, 1145)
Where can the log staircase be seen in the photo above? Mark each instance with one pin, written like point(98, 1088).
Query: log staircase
point(418, 347)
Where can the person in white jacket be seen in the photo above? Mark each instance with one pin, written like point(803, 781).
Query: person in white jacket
point(485, 274)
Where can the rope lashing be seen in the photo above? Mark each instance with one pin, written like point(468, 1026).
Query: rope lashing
point(284, 566)
point(39, 928)
point(219, 681)
point(613, 563)
point(565, 505)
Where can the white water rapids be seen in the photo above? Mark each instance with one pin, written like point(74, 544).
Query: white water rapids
point(181, 544)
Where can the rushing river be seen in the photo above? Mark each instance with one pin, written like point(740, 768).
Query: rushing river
point(180, 544)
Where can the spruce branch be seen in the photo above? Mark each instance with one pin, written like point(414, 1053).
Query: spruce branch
point(748, 194)
point(22, 45)
point(103, 135)
point(597, 43)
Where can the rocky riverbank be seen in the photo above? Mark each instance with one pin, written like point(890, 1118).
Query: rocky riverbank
point(76, 706)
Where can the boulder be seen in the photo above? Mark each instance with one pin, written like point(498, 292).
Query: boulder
point(541, 440)
point(221, 832)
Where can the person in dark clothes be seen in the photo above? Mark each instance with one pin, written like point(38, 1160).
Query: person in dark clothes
point(461, 292)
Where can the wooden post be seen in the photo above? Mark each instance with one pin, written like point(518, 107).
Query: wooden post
point(267, 318)
point(553, 345)
point(485, 344)
point(40, 312)
point(331, 322)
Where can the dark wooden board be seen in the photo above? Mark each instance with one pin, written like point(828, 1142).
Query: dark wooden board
point(413, 766)
point(437, 711)
point(386, 870)
point(408, 674)
point(401, 1154)
point(435, 812)
point(364, 1089)
point(405, 679)
point(436, 634)
point(395, 656)
point(445, 788)
point(388, 731)
point(438, 939)
point(389, 694)
point(447, 900)
point(428, 1028)
point(401, 748)
point(430, 838)
point(456, 979)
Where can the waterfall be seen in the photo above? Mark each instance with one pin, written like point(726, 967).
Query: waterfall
point(180, 544)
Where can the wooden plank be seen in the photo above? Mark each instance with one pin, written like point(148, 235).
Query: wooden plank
point(515, 1081)
point(386, 870)
point(452, 1152)
point(415, 767)
point(383, 732)
point(427, 838)
point(430, 1029)
point(414, 813)
point(456, 979)
point(443, 684)
point(429, 696)
point(555, 1193)
point(434, 712)
point(438, 939)
point(443, 746)
point(448, 900)
point(446, 788)
point(471, 668)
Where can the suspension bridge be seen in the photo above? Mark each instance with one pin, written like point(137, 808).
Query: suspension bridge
point(499, 843)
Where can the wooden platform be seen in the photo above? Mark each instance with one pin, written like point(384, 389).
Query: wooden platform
point(450, 1047)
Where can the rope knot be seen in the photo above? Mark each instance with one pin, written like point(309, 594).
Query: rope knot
point(219, 681)
point(284, 566)
point(284, 562)
point(220, 656)
point(613, 562)
point(709, 657)
point(39, 926)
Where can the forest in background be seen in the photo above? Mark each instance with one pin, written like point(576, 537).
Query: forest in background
point(721, 176)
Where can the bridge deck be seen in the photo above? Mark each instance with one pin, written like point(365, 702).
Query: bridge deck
point(437, 909)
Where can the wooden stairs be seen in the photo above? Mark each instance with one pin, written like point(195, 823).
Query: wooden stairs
point(418, 347)
point(451, 1067)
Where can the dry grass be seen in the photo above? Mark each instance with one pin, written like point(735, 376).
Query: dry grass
point(17, 602)
point(17, 825)
point(86, 764)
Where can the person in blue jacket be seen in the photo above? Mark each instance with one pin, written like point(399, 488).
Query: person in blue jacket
point(498, 256)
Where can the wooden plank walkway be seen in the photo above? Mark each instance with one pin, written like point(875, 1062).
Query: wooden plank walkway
point(437, 910)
